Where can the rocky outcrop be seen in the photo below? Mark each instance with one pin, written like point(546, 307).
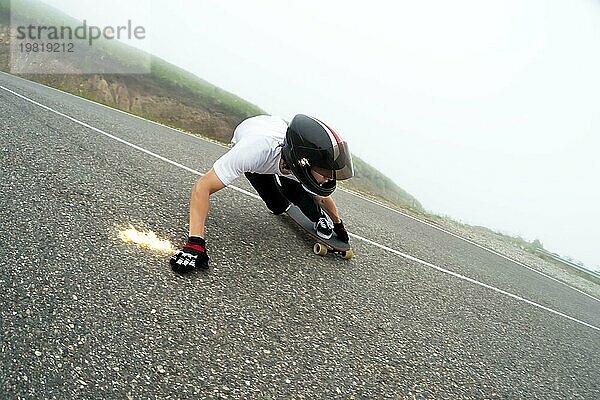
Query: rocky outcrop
point(139, 95)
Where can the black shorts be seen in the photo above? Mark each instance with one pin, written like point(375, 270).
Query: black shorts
point(278, 197)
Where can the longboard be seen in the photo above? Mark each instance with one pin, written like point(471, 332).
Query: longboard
point(322, 246)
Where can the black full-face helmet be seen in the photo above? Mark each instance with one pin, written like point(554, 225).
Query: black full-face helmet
point(310, 145)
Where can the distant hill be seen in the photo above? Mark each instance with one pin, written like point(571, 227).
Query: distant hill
point(177, 98)
point(172, 96)
point(167, 94)
point(369, 180)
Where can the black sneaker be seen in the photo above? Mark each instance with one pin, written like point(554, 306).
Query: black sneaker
point(324, 228)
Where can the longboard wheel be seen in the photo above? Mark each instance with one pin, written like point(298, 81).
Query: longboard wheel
point(348, 254)
point(319, 249)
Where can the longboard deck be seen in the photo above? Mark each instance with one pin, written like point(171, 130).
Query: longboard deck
point(332, 245)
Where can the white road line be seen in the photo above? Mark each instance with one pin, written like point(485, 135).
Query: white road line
point(477, 245)
point(393, 251)
point(471, 280)
point(118, 139)
point(195, 136)
point(345, 190)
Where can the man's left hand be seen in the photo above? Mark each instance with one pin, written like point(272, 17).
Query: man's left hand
point(341, 232)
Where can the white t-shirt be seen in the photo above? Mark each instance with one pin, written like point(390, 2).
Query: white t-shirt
point(256, 148)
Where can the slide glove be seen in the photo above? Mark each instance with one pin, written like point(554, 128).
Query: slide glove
point(341, 232)
point(192, 255)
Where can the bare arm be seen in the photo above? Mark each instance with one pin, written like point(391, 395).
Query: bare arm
point(328, 205)
point(199, 203)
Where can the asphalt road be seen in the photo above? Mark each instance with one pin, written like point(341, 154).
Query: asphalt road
point(85, 315)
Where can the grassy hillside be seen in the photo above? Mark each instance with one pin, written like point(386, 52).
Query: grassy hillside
point(371, 181)
point(177, 98)
point(4, 22)
point(170, 95)
point(166, 94)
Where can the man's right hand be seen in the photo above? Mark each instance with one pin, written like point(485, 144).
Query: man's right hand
point(192, 255)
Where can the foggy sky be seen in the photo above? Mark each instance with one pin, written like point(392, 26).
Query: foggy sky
point(488, 112)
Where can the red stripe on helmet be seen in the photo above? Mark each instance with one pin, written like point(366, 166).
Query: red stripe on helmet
point(335, 135)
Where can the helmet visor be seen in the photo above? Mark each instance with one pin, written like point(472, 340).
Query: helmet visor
point(323, 173)
point(344, 168)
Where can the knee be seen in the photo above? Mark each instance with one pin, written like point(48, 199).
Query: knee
point(278, 206)
point(279, 210)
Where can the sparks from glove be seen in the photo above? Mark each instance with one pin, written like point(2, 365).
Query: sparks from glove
point(146, 239)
